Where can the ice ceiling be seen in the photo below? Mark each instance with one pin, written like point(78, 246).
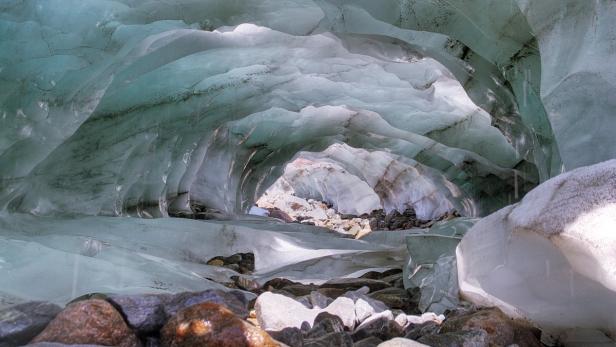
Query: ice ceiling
point(144, 107)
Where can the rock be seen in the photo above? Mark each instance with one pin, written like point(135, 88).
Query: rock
point(476, 338)
point(276, 312)
point(402, 320)
point(210, 324)
point(401, 342)
point(344, 308)
point(216, 262)
point(319, 300)
point(325, 323)
point(332, 293)
point(394, 298)
point(418, 330)
point(368, 342)
point(426, 317)
point(144, 313)
point(292, 337)
point(366, 307)
point(56, 344)
point(147, 313)
point(381, 325)
point(279, 214)
point(500, 329)
point(234, 300)
point(92, 321)
point(376, 275)
point(21, 322)
point(355, 283)
point(549, 258)
point(330, 340)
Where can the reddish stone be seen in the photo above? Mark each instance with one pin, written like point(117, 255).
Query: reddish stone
point(212, 325)
point(93, 322)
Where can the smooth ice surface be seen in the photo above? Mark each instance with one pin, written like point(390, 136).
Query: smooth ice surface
point(549, 258)
point(431, 264)
point(58, 259)
point(138, 109)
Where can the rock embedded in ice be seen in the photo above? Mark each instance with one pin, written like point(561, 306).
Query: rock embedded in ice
point(549, 258)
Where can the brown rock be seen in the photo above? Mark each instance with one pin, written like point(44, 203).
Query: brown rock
point(93, 322)
point(213, 325)
point(501, 330)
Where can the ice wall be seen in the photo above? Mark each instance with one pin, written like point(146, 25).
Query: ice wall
point(138, 112)
point(140, 108)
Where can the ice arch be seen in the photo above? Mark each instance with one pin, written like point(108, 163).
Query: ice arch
point(117, 107)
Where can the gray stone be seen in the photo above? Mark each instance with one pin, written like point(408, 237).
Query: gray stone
point(292, 337)
point(330, 340)
point(324, 324)
point(355, 283)
point(476, 338)
point(319, 300)
point(21, 323)
point(381, 325)
point(144, 313)
point(368, 342)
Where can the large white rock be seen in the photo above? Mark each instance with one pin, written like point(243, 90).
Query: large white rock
point(276, 312)
point(401, 342)
point(552, 257)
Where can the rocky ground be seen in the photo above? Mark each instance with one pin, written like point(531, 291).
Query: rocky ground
point(372, 310)
point(293, 209)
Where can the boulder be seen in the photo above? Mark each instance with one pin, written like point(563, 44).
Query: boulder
point(20, 323)
point(94, 322)
point(549, 258)
point(210, 324)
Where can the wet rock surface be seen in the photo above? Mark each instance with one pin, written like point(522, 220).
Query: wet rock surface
point(148, 313)
point(20, 323)
point(210, 324)
point(92, 321)
point(372, 310)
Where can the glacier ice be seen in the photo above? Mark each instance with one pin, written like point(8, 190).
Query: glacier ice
point(165, 114)
point(431, 264)
point(52, 258)
point(126, 108)
point(549, 258)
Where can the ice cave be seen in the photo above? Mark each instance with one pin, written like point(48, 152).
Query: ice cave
point(307, 173)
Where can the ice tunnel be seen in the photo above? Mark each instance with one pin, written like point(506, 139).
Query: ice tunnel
point(118, 116)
